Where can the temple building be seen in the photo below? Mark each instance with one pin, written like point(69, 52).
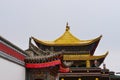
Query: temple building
point(65, 58)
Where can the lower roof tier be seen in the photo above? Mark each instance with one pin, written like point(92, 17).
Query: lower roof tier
point(77, 60)
point(83, 57)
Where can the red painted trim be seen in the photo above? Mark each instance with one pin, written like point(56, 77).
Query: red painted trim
point(64, 70)
point(11, 52)
point(43, 65)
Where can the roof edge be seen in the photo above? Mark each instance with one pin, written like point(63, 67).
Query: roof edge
point(51, 43)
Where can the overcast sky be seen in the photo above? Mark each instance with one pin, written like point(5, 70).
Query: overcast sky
point(46, 20)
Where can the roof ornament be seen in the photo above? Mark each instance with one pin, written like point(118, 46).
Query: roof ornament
point(68, 64)
point(96, 63)
point(30, 42)
point(104, 66)
point(67, 27)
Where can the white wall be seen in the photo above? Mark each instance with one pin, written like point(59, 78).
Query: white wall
point(11, 71)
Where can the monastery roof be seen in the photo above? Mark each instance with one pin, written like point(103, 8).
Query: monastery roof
point(84, 57)
point(67, 39)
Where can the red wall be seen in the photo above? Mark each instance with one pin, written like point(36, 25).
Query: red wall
point(11, 52)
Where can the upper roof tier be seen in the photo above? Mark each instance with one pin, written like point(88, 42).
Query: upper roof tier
point(67, 39)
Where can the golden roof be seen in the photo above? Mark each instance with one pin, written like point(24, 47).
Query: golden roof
point(67, 39)
point(84, 57)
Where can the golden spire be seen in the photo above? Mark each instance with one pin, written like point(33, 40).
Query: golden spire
point(67, 27)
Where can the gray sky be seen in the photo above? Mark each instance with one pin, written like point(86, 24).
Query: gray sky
point(46, 20)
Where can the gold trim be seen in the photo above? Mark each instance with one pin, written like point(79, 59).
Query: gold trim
point(83, 57)
point(79, 79)
point(62, 79)
point(96, 78)
point(88, 63)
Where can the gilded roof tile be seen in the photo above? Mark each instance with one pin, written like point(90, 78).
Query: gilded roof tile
point(67, 39)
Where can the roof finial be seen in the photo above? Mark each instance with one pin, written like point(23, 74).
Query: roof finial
point(104, 66)
point(67, 27)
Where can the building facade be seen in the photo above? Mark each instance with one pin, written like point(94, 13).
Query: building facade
point(65, 58)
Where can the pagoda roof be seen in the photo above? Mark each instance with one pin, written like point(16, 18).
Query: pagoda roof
point(67, 39)
point(84, 57)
